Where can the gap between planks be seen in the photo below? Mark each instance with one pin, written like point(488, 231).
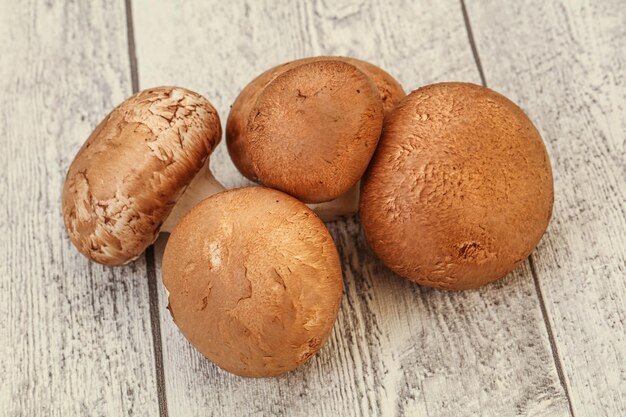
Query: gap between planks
point(553, 347)
point(153, 291)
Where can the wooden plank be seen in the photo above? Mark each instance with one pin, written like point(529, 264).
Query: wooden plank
point(397, 348)
point(75, 336)
point(570, 76)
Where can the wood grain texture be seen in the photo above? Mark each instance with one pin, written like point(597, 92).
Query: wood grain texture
point(397, 348)
point(570, 76)
point(75, 336)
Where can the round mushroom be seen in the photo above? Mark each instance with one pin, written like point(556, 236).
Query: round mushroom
point(310, 127)
point(129, 174)
point(254, 280)
point(460, 189)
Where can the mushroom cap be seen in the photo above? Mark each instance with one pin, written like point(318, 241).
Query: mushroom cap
point(389, 89)
point(254, 280)
point(126, 178)
point(308, 127)
point(460, 189)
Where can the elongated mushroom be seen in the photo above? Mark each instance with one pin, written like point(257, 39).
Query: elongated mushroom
point(132, 170)
point(460, 189)
point(310, 127)
point(254, 280)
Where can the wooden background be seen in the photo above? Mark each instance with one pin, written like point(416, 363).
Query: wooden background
point(79, 339)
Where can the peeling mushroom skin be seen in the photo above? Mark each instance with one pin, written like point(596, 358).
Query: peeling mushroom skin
point(308, 127)
point(126, 178)
point(460, 190)
point(254, 281)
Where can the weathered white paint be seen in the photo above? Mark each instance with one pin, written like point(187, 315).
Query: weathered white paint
point(74, 337)
point(565, 63)
point(397, 349)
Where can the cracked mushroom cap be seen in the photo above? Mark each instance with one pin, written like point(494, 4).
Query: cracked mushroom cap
point(126, 178)
point(254, 280)
point(460, 189)
point(310, 127)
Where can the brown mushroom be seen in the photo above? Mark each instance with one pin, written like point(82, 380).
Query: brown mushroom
point(310, 127)
point(129, 174)
point(254, 280)
point(460, 189)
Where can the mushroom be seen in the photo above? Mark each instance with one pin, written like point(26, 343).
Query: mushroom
point(460, 189)
point(310, 127)
point(254, 280)
point(129, 174)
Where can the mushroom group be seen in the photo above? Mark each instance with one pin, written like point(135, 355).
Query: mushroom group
point(452, 183)
point(310, 127)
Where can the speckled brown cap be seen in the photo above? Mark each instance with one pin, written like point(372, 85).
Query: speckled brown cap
point(460, 189)
point(310, 127)
point(254, 280)
point(389, 89)
point(126, 178)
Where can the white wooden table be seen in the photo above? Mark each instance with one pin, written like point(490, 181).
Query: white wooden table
point(80, 339)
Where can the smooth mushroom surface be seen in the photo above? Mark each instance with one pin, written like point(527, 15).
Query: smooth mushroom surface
point(460, 189)
point(254, 280)
point(310, 127)
point(129, 174)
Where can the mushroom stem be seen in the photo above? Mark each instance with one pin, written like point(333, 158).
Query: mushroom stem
point(202, 186)
point(344, 206)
